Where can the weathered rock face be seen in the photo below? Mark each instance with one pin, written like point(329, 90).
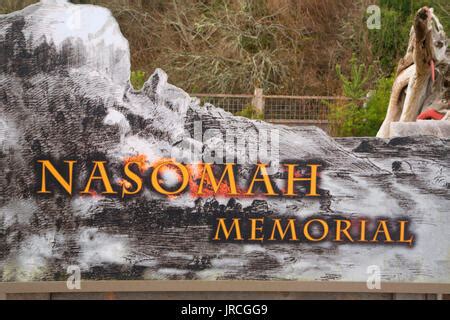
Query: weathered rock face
point(65, 94)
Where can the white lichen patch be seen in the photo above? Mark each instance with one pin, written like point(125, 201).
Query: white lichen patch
point(33, 259)
point(18, 212)
point(97, 248)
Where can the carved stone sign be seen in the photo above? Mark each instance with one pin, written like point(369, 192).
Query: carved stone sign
point(152, 185)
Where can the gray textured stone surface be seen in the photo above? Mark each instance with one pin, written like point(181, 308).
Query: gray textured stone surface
point(434, 128)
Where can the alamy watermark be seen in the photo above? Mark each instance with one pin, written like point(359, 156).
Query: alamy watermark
point(374, 277)
point(74, 280)
point(374, 18)
point(233, 145)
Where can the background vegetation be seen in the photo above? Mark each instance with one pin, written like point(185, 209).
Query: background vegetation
point(289, 47)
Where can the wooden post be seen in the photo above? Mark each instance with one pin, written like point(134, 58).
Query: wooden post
point(258, 100)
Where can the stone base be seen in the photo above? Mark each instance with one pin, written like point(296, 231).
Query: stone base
point(436, 128)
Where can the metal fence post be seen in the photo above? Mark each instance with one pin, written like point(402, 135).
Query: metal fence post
point(258, 100)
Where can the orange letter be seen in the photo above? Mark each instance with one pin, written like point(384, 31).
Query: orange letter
point(339, 230)
point(382, 223)
point(254, 229)
point(265, 178)
point(221, 225)
point(290, 225)
point(103, 177)
point(292, 179)
point(184, 173)
point(363, 231)
point(215, 185)
point(402, 233)
point(130, 174)
point(308, 235)
point(66, 185)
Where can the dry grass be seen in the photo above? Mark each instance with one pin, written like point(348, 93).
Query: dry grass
point(7, 6)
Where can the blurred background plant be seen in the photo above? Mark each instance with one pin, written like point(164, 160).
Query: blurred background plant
point(251, 112)
point(361, 117)
point(364, 112)
point(354, 86)
point(7, 6)
point(138, 79)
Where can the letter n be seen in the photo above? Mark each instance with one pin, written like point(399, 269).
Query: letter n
point(47, 165)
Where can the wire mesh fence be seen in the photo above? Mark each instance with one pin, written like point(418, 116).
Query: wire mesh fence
point(278, 109)
point(307, 109)
point(230, 103)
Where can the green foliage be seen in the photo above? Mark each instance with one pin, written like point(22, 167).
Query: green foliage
point(250, 112)
point(358, 119)
point(376, 107)
point(353, 86)
point(355, 117)
point(390, 42)
point(138, 79)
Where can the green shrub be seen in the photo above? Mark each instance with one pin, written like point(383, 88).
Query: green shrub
point(375, 109)
point(138, 79)
point(356, 117)
point(353, 85)
point(250, 112)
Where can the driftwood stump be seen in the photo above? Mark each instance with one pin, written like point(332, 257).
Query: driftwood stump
point(422, 79)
